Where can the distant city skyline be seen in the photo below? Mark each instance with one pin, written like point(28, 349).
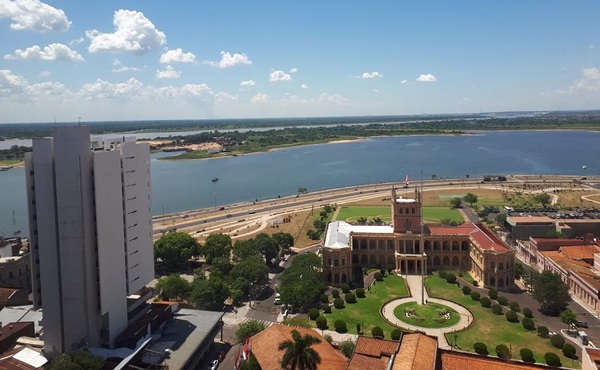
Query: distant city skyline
point(131, 60)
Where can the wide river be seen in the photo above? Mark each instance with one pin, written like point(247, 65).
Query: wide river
point(184, 185)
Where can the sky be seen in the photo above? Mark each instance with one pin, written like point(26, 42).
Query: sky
point(122, 60)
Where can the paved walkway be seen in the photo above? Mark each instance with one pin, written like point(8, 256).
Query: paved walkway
point(417, 291)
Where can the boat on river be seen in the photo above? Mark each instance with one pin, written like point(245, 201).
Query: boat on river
point(215, 179)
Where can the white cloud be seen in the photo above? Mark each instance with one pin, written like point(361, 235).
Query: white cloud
point(11, 83)
point(279, 76)
point(177, 56)
point(119, 67)
point(376, 91)
point(33, 15)
point(223, 97)
point(168, 72)
point(294, 70)
point(260, 98)
point(49, 88)
point(45, 74)
point(230, 60)
point(304, 86)
point(101, 89)
point(426, 78)
point(404, 82)
point(371, 75)
point(332, 98)
point(76, 41)
point(133, 33)
point(589, 81)
point(248, 83)
point(51, 52)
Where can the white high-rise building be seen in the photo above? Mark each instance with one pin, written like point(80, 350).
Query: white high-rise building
point(91, 235)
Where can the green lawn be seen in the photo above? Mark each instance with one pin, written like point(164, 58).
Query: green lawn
point(367, 311)
point(431, 215)
point(426, 316)
point(492, 329)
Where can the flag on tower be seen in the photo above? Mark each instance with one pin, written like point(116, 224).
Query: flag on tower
point(406, 181)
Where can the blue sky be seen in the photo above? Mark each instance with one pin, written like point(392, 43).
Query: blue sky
point(127, 60)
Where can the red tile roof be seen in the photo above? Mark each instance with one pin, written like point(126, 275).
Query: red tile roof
point(417, 352)
point(579, 267)
point(464, 361)
point(478, 232)
point(372, 353)
point(577, 252)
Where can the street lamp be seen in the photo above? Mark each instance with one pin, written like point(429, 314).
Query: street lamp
point(455, 339)
point(250, 296)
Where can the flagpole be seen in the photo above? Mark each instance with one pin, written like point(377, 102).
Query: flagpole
point(422, 246)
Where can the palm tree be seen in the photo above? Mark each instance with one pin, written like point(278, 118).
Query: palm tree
point(298, 354)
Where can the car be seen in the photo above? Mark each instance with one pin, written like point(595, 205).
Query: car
point(214, 364)
point(229, 215)
point(277, 295)
point(277, 301)
point(581, 324)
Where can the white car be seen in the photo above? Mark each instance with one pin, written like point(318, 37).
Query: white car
point(277, 301)
point(277, 295)
point(213, 365)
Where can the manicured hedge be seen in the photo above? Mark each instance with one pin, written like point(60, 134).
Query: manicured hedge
point(485, 302)
point(493, 293)
point(569, 350)
point(378, 276)
point(360, 293)
point(313, 313)
point(528, 323)
point(552, 359)
point(335, 293)
point(526, 355)
point(442, 274)
point(557, 340)
point(514, 306)
point(396, 334)
point(338, 303)
point(324, 298)
point(350, 298)
point(543, 331)
point(340, 326)
point(450, 278)
point(512, 316)
point(475, 296)
point(345, 287)
point(480, 348)
point(527, 312)
point(502, 351)
point(497, 309)
point(321, 322)
point(377, 332)
point(327, 309)
point(466, 290)
point(502, 300)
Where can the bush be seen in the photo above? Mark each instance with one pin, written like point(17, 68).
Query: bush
point(552, 359)
point(503, 301)
point(378, 276)
point(514, 306)
point(557, 340)
point(350, 298)
point(543, 331)
point(360, 293)
point(340, 326)
point(335, 293)
point(528, 323)
point(480, 348)
point(338, 303)
point(568, 350)
point(313, 313)
point(450, 278)
point(502, 351)
point(527, 312)
point(512, 316)
point(475, 296)
point(345, 287)
point(327, 309)
point(442, 274)
point(324, 298)
point(382, 272)
point(396, 334)
point(493, 293)
point(466, 290)
point(497, 309)
point(347, 348)
point(475, 283)
point(485, 302)
point(526, 355)
point(321, 322)
point(377, 332)
point(328, 338)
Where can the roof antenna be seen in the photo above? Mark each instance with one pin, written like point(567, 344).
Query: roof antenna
point(80, 120)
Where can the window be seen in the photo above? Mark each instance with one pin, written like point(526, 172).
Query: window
point(336, 262)
point(343, 262)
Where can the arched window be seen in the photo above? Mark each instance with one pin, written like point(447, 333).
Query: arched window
point(336, 262)
point(336, 279)
point(454, 261)
point(436, 261)
point(329, 277)
point(446, 245)
point(500, 283)
point(329, 261)
point(412, 211)
point(492, 281)
point(343, 278)
point(343, 261)
point(400, 210)
point(446, 261)
point(455, 246)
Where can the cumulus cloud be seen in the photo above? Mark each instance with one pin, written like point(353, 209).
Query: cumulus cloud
point(371, 75)
point(304, 86)
point(248, 83)
point(293, 70)
point(230, 60)
point(33, 15)
point(426, 78)
point(279, 76)
point(223, 97)
point(48, 88)
point(11, 83)
point(332, 98)
point(177, 56)
point(133, 33)
point(45, 74)
point(52, 52)
point(590, 80)
point(260, 98)
point(168, 72)
point(118, 67)
point(76, 41)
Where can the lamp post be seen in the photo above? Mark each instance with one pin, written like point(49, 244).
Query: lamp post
point(455, 340)
point(250, 296)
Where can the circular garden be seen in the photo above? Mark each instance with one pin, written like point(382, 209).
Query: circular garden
point(430, 315)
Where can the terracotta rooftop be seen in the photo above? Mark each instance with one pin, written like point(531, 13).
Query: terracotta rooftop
point(372, 353)
point(417, 352)
point(577, 252)
point(484, 237)
point(594, 354)
point(581, 268)
point(462, 361)
point(264, 347)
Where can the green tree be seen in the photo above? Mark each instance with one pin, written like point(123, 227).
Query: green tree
point(248, 329)
point(267, 246)
point(470, 198)
point(209, 294)
point(568, 317)
point(243, 249)
point(77, 360)
point(222, 264)
point(216, 245)
point(542, 198)
point(173, 250)
point(284, 241)
point(172, 286)
point(302, 190)
point(253, 270)
point(301, 284)
point(456, 202)
point(361, 220)
point(551, 292)
point(298, 352)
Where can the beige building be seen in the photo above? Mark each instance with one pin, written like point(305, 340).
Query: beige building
point(406, 246)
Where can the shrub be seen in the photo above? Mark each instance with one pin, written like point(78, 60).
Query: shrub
point(321, 322)
point(514, 306)
point(324, 298)
point(442, 274)
point(313, 313)
point(378, 276)
point(383, 271)
point(327, 309)
point(485, 302)
point(347, 348)
point(552, 359)
point(338, 303)
point(527, 312)
point(350, 298)
point(345, 287)
point(377, 332)
point(528, 323)
point(475, 283)
point(328, 338)
point(503, 301)
point(335, 293)
point(358, 327)
point(396, 334)
point(480, 348)
point(340, 326)
point(512, 316)
point(568, 350)
point(493, 293)
point(450, 278)
point(466, 290)
point(502, 351)
point(475, 296)
point(526, 355)
point(360, 293)
point(543, 331)
point(497, 309)
point(557, 340)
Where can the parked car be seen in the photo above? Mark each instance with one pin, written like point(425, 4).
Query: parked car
point(214, 364)
point(277, 301)
point(581, 324)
